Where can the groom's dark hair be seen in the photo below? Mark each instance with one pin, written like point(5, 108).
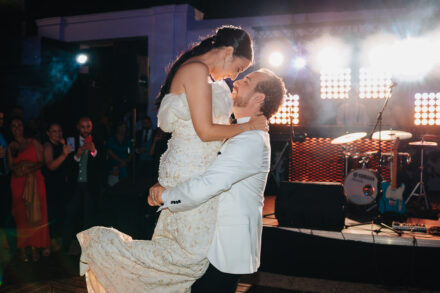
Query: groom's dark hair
point(274, 90)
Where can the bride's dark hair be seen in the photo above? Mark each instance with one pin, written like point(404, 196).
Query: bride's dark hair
point(225, 36)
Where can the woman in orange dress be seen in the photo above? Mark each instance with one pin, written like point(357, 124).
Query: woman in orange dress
point(29, 208)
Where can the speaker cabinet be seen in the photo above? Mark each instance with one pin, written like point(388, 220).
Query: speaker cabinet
point(311, 205)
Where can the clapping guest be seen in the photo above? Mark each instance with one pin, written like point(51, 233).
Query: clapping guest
point(55, 173)
point(25, 159)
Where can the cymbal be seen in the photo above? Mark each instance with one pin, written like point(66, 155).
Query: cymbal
point(391, 135)
point(347, 138)
point(424, 143)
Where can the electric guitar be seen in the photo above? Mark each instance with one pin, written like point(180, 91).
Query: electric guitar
point(392, 199)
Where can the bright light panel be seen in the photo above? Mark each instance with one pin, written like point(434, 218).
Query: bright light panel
point(288, 112)
point(374, 84)
point(328, 53)
point(408, 59)
point(276, 59)
point(335, 84)
point(427, 109)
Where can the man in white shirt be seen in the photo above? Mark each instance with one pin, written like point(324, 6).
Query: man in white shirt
point(239, 177)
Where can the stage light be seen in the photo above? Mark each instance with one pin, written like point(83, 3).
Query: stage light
point(425, 113)
point(380, 58)
point(328, 53)
point(413, 58)
point(288, 113)
point(374, 84)
point(276, 59)
point(408, 59)
point(82, 58)
point(329, 58)
point(335, 84)
point(299, 62)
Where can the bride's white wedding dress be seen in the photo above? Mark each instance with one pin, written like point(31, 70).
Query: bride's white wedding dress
point(176, 256)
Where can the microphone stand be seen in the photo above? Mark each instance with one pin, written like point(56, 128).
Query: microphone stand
point(379, 172)
point(379, 123)
point(286, 145)
point(379, 151)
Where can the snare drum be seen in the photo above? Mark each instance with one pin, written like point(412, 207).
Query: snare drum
point(357, 161)
point(360, 186)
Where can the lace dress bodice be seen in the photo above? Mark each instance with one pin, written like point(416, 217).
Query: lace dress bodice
point(187, 155)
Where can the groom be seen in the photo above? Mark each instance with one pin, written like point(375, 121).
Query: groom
point(238, 176)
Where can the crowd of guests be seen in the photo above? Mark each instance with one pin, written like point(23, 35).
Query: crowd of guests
point(50, 184)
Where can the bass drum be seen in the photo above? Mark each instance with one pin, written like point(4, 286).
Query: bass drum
point(360, 186)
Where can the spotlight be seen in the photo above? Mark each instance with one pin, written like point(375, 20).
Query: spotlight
point(408, 59)
point(288, 113)
point(299, 62)
point(81, 58)
point(426, 115)
point(329, 53)
point(276, 59)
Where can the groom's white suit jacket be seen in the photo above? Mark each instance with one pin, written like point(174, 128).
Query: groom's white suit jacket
point(239, 177)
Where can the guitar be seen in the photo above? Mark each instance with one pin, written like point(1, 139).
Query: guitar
point(392, 199)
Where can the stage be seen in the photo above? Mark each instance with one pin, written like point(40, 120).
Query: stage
point(362, 254)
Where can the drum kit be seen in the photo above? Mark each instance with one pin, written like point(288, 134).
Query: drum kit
point(361, 183)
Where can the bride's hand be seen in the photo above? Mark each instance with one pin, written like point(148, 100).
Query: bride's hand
point(155, 195)
point(258, 122)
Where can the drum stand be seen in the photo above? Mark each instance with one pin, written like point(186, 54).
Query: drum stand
point(420, 184)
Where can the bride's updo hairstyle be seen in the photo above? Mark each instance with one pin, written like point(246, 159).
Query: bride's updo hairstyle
point(225, 36)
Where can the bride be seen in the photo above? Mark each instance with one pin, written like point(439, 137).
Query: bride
point(196, 111)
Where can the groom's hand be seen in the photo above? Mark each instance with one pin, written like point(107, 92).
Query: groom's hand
point(155, 195)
